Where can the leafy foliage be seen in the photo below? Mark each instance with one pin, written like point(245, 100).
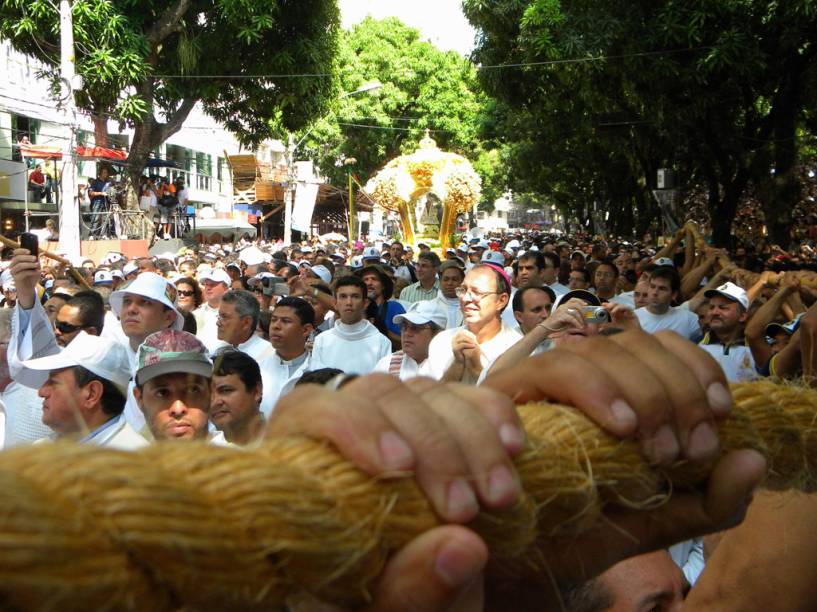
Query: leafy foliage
point(717, 90)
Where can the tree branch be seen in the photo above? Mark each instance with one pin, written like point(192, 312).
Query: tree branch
point(167, 23)
point(174, 122)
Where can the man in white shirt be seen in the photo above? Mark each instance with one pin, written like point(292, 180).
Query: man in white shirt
point(353, 345)
point(292, 322)
point(550, 273)
point(452, 274)
point(235, 403)
point(424, 320)
point(465, 353)
point(84, 392)
point(658, 314)
point(238, 315)
point(215, 283)
point(725, 340)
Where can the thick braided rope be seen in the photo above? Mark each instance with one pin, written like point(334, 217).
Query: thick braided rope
point(217, 528)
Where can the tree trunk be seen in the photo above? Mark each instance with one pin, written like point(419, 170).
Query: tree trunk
point(100, 130)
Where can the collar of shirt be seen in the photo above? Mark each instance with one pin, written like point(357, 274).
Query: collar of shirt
point(109, 424)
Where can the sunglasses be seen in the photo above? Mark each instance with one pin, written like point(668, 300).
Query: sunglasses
point(184, 293)
point(66, 328)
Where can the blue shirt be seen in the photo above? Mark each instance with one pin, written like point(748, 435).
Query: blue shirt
point(393, 308)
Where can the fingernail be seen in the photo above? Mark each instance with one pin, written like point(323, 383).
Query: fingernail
point(665, 446)
point(461, 502)
point(703, 442)
point(512, 437)
point(503, 488)
point(720, 400)
point(396, 453)
point(623, 414)
point(455, 565)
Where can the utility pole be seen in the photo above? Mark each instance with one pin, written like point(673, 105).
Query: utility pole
point(289, 196)
point(69, 203)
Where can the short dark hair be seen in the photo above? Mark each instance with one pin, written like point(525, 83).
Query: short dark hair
point(245, 304)
point(228, 361)
point(91, 309)
point(519, 296)
point(431, 257)
point(554, 259)
point(607, 262)
point(112, 400)
point(351, 281)
point(585, 273)
point(302, 308)
point(666, 272)
point(320, 376)
point(537, 256)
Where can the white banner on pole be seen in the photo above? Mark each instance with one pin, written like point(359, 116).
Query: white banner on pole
point(305, 196)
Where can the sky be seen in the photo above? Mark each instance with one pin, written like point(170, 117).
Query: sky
point(440, 21)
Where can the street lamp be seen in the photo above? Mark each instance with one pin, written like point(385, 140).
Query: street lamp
point(368, 86)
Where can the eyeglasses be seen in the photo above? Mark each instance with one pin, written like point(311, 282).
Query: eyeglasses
point(184, 293)
point(66, 328)
point(257, 289)
point(473, 293)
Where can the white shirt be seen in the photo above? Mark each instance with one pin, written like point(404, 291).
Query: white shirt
point(23, 415)
point(354, 349)
point(408, 367)
point(278, 378)
point(206, 330)
point(257, 348)
point(116, 433)
point(627, 299)
point(441, 355)
point(559, 289)
point(736, 360)
point(452, 309)
point(675, 319)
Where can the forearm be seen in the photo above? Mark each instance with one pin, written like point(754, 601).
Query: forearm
point(756, 327)
point(689, 254)
point(765, 562)
point(521, 350)
point(691, 281)
point(455, 372)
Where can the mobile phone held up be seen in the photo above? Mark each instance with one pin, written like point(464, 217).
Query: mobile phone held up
point(29, 241)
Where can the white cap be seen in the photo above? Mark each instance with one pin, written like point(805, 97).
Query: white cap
point(357, 261)
point(462, 247)
point(306, 249)
point(251, 255)
point(153, 287)
point(103, 277)
point(422, 312)
point(217, 275)
point(482, 244)
point(106, 359)
point(494, 257)
point(534, 248)
point(304, 263)
point(731, 292)
point(371, 253)
point(323, 273)
point(664, 261)
point(513, 244)
point(450, 250)
point(117, 274)
point(129, 268)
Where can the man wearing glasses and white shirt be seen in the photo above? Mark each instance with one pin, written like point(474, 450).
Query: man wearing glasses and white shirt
point(464, 354)
point(424, 320)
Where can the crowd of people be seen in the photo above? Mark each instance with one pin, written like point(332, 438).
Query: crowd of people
point(421, 355)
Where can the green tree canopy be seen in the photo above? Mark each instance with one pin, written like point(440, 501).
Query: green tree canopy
point(148, 62)
point(422, 88)
point(610, 92)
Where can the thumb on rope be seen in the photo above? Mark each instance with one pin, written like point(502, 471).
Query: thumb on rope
point(439, 571)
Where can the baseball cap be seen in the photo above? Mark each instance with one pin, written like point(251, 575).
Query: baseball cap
point(450, 250)
point(251, 255)
point(664, 261)
point(323, 273)
point(731, 292)
point(583, 294)
point(170, 351)
point(106, 359)
point(129, 268)
point(494, 257)
point(772, 329)
point(513, 244)
point(422, 312)
point(371, 253)
point(153, 287)
point(117, 274)
point(259, 278)
point(422, 244)
point(462, 247)
point(306, 249)
point(217, 275)
point(103, 277)
point(482, 244)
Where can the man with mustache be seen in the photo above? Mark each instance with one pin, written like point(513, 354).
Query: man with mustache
point(725, 340)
